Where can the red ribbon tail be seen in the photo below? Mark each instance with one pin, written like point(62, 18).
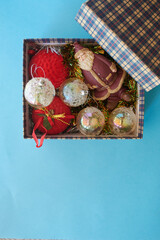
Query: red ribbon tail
point(39, 122)
point(50, 121)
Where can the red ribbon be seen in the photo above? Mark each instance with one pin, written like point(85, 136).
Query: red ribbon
point(40, 123)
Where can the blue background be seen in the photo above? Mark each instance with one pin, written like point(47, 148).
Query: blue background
point(70, 189)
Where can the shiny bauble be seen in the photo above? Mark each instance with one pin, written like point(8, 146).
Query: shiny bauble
point(39, 92)
point(122, 121)
point(73, 92)
point(90, 121)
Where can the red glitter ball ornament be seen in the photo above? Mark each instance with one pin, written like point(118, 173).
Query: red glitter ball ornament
point(48, 64)
point(55, 108)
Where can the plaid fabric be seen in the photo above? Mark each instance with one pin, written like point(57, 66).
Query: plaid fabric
point(141, 112)
point(27, 123)
point(129, 31)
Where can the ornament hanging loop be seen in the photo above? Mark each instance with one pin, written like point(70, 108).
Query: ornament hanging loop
point(35, 70)
point(38, 145)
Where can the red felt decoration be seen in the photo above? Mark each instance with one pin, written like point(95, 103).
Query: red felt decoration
point(48, 64)
point(51, 120)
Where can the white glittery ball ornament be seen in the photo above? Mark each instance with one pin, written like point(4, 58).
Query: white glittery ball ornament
point(39, 92)
point(122, 121)
point(73, 92)
point(90, 121)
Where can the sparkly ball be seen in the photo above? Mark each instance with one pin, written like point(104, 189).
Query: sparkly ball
point(39, 92)
point(122, 121)
point(73, 92)
point(90, 121)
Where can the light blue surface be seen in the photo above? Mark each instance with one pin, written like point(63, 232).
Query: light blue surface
point(70, 189)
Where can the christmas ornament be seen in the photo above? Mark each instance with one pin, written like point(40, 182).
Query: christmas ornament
point(73, 92)
point(68, 53)
point(53, 119)
point(122, 121)
point(39, 92)
point(90, 121)
point(47, 63)
point(101, 75)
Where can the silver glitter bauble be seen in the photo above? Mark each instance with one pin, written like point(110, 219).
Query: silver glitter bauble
point(39, 92)
point(122, 121)
point(90, 121)
point(73, 92)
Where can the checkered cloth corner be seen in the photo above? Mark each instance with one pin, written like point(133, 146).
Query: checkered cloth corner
point(129, 31)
